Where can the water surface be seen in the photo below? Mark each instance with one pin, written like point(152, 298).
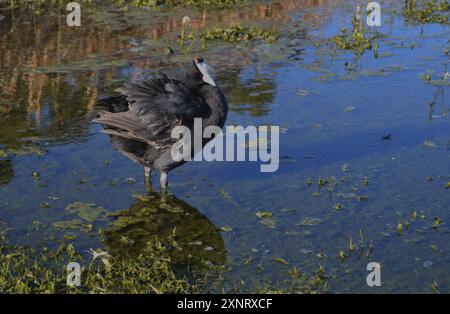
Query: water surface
point(334, 107)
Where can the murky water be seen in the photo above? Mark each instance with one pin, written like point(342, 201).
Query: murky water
point(61, 180)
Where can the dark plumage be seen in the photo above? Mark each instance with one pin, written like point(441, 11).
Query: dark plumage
point(140, 120)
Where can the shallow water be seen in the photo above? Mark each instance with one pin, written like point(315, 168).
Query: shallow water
point(333, 118)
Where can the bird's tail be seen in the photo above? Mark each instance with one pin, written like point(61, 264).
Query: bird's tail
point(112, 104)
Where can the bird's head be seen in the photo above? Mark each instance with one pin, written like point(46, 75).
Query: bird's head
point(201, 68)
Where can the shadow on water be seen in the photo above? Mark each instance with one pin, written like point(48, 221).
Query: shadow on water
point(192, 240)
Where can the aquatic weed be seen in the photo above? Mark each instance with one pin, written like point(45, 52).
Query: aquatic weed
point(426, 12)
point(237, 34)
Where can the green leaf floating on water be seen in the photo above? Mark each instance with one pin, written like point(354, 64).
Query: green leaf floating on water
point(3, 154)
point(281, 261)
point(269, 222)
point(447, 186)
point(226, 228)
point(341, 255)
point(400, 228)
point(264, 214)
point(88, 212)
point(309, 221)
point(267, 218)
point(437, 222)
point(430, 144)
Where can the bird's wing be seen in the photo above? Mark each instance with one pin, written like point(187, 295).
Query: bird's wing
point(156, 106)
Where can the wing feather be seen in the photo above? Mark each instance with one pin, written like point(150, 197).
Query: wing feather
point(156, 105)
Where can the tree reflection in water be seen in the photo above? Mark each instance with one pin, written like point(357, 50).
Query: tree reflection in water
point(6, 171)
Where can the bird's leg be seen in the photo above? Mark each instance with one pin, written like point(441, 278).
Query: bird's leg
point(163, 180)
point(147, 173)
point(148, 179)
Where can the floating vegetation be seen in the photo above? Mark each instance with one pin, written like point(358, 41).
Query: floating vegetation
point(237, 34)
point(88, 212)
point(430, 144)
point(338, 207)
point(129, 181)
point(26, 270)
point(226, 229)
point(72, 224)
point(342, 255)
point(268, 221)
point(426, 12)
point(351, 245)
point(434, 287)
point(437, 222)
point(426, 77)
point(281, 261)
point(36, 176)
point(264, 214)
point(29, 270)
point(400, 228)
point(366, 181)
point(298, 283)
point(44, 205)
point(359, 40)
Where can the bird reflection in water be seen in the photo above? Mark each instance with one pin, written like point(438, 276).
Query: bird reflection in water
point(193, 243)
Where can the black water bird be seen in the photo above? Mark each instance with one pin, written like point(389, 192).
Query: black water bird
point(141, 118)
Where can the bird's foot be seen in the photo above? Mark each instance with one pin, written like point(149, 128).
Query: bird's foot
point(148, 179)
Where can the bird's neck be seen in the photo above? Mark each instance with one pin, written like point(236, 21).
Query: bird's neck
point(217, 102)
